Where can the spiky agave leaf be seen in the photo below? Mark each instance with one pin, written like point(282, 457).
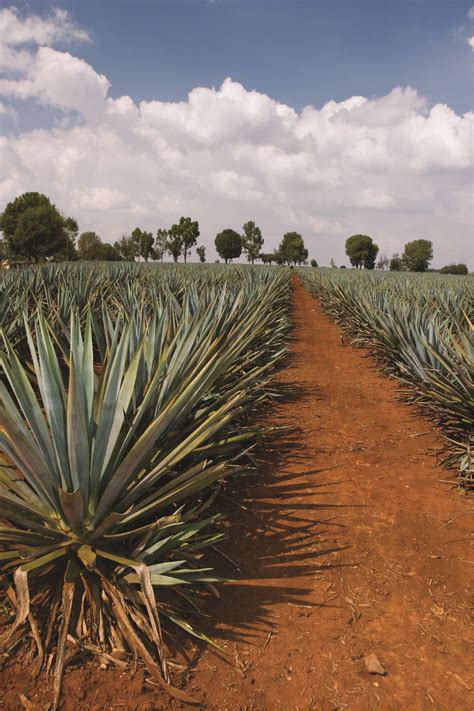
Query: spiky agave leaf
point(103, 468)
point(419, 330)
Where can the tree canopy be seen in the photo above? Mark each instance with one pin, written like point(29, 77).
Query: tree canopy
point(228, 244)
point(174, 245)
point(126, 248)
point(396, 264)
point(34, 229)
point(201, 253)
point(417, 255)
point(292, 249)
point(182, 236)
point(362, 251)
point(143, 242)
point(252, 241)
point(105, 252)
point(87, 243)
point(161, 239)
point(455, 269)
point(383, 262)
point(91, 248)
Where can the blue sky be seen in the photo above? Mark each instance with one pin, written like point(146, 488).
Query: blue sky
point(298, 51)
point(328, 117)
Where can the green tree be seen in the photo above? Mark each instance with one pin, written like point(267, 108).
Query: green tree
point(267, 258)
point(39, 233)
point(87, 242)
point(34, 229)
point(455, 269)
point(91, 248)
point(174, 245)
point(417, 255)
point(383, 262)
point(201, 253)
point(160, 243)
point(252, 241)
point(68, 253)
point(136, 236)
point(13, 211)
point(292, 249)
point(228, 244)
point(362, 251)
point(126, 248)
point(143, 242)
point(104, 252)
point(145, 247)
point(396, 264)
point(278, 257)
point(313, 263)
point(187, 232)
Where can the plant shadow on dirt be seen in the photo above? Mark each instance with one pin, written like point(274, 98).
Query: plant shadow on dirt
point(281, 526)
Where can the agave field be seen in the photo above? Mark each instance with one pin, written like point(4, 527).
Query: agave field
point(129, 394)
point(420, 329)
point(125, 393)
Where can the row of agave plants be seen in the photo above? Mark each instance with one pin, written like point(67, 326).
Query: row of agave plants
point(122, 410)
point(115, 289)
point(420, 329)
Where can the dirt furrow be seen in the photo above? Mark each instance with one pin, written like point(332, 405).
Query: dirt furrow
point(352, 545)
point(348, 544)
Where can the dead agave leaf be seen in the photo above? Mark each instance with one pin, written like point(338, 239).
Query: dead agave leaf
point(26, 703)
point(67, 604)
point(22, 605)
point(373, 665)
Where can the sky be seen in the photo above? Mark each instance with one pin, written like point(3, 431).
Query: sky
point(326, 117)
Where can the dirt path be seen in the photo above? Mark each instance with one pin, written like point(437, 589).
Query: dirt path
point(345, 552)
point(347, 546)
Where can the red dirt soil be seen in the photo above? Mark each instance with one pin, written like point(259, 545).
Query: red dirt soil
point(349, 543)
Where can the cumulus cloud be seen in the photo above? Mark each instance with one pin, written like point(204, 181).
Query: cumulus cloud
point(470, 40)
point(393, 166)
point(45, 74)
point(17, 31)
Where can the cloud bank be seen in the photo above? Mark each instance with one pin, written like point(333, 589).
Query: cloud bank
point(393, 166)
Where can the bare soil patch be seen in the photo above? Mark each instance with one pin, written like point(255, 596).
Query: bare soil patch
point(350, 547)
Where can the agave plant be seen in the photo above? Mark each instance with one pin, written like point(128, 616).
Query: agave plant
point(420, 331)
point(106, 476)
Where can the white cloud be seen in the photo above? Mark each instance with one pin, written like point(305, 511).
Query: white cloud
point(392, 166)
point(54, 78)
point(470, 40)
point(17, 31)
point(58, 27)
point(58, 79)
point(99, 199)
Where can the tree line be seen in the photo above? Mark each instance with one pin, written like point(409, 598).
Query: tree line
point(416, 257)
point(34, 229)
